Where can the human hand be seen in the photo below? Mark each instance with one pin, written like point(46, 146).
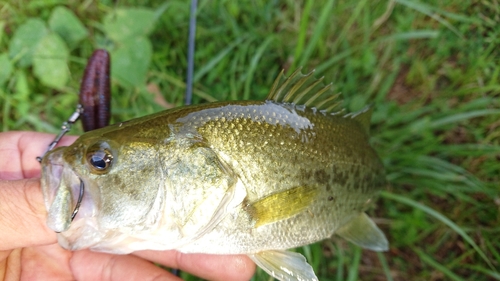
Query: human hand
point(29, 249)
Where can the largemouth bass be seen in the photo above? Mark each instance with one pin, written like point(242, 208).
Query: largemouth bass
point(236, 177)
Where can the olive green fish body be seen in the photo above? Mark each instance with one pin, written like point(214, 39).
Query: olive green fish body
point(242, 177)
point(271, 148)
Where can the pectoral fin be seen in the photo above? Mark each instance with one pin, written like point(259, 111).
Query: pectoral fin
point(363, 232)
point(282, 205)
point(284, 265)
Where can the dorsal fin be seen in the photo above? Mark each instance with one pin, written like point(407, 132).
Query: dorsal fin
point(363, 117)
point(300, 89)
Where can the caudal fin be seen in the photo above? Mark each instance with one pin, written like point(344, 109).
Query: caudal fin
point(363, 232)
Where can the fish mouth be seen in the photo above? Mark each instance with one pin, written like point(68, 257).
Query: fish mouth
point(70, 204)
point(62, 191)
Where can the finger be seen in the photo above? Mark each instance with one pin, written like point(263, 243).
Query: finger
point(49, 262)
point(19, 151)
point(87, 265)
point(10, 265)
point(211, 267)
point(22, 215)
point(22, 210)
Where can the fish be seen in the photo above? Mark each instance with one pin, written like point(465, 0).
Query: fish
point(234, 177)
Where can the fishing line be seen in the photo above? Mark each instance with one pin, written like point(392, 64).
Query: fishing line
point(190, 69)
point(191, 41)
point(66, 126)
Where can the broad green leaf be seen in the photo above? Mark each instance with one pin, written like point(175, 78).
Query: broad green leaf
point(131, 62)
point(25, 41)
point(50, 61)
point(125, 24)
point(64, 22)
point(5, 68)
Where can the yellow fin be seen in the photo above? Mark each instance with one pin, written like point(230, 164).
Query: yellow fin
point(282, 205)
point(300, 89)
point(284, 265)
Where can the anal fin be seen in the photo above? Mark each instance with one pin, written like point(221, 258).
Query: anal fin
point(363, 232)
point(284, 265)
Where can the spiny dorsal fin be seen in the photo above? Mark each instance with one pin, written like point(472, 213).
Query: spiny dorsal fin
point(363, 117)
point(299, 89)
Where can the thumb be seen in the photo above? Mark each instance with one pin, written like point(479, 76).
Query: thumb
point(22, 215)
point(22, 210)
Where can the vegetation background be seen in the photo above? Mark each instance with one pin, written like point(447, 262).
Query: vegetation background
point(430, 69)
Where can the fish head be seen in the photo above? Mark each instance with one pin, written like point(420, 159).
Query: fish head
point(116, 182)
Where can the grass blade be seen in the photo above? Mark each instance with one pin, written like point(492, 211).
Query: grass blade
point(347, 26)
point(304, 22)
point(492, 274)
point(318, 31)
point(385, 266)
point(253, 66)
point(430, 261)
point(463, 116)
point(441, 218)
point(428, 10)
point(179, 83)
point(340, 260)
point(215, 60)
point(354, 267)
point(415, 34)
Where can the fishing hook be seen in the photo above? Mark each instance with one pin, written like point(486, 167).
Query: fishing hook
point(80, 198)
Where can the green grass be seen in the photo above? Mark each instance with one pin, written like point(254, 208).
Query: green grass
point(430, 70)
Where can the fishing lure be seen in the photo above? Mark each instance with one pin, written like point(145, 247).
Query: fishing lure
point(94, 108)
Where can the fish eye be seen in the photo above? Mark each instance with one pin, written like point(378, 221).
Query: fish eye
point(100, 160)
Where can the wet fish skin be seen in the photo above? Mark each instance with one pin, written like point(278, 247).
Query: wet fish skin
point(220, 178)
